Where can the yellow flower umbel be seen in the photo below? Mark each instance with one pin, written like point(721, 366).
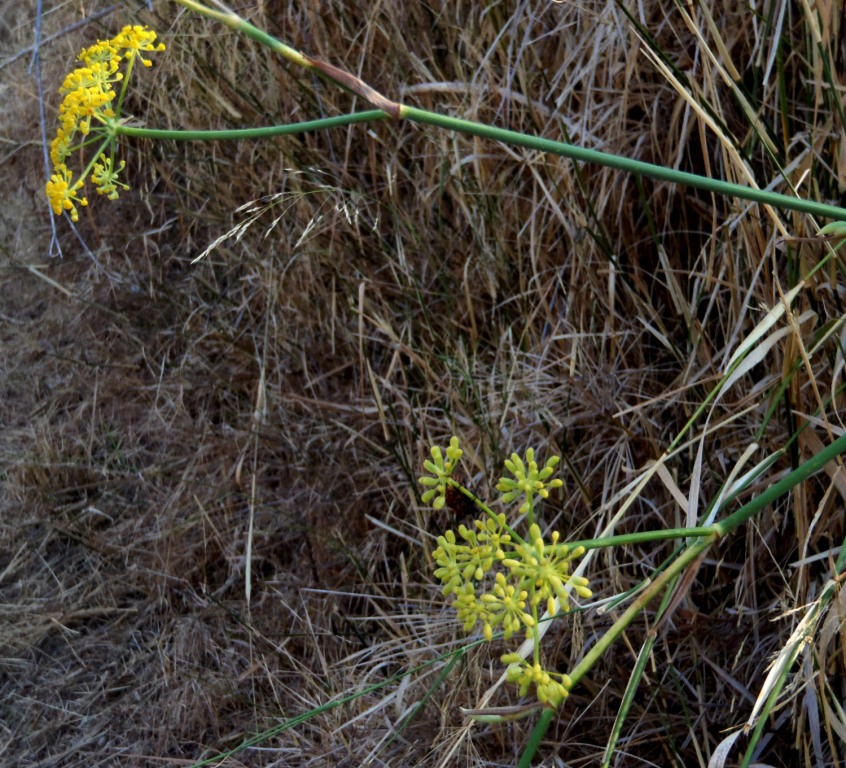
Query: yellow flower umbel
point(551, 687)
point(499, 579)
point(527, 482)
point(89, 108)
point(440, 470)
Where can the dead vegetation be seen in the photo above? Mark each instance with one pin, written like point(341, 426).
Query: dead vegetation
point(174, 432)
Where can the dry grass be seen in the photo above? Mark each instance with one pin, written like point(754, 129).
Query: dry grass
point(398, 286)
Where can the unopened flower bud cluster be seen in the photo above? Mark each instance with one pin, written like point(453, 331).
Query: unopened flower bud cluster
point(498, 579)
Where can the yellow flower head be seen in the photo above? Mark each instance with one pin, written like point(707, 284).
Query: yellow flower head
point(105, 176)
point(135, 39)
point(102, 52)
point(61, 192)
point(89, 105)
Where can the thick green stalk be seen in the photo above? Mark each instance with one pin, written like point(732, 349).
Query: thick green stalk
point(535, 739)
point(636, 167)
point(592, 656)
point(779, 489)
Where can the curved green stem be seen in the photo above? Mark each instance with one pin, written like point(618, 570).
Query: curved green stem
point(635, 167)
point(250, 133)
point(394, 109)
point(234, 21)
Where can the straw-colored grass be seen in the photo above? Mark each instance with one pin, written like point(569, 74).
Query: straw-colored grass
point(172, 429)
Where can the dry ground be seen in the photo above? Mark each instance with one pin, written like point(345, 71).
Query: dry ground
point(169, 428)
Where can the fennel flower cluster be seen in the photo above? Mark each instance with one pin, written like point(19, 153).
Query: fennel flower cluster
point(498, 579)
point(89, 98)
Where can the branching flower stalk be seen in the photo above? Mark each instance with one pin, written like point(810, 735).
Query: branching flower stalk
point(386, 108)
point(65, 189)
